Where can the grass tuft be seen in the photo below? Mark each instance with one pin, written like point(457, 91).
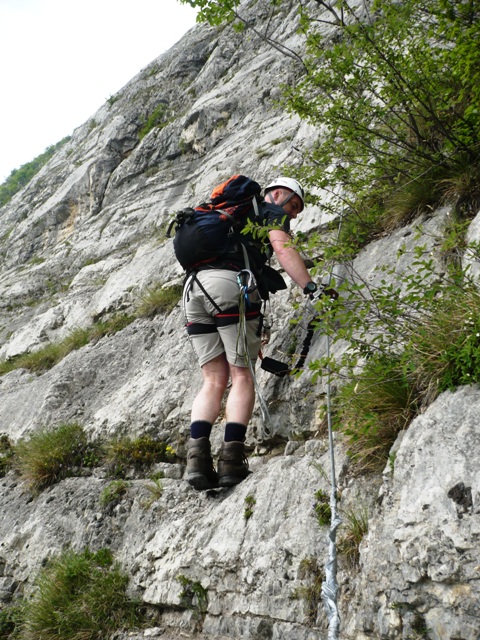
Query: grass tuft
point(48, 455)
point(80, 596)
point(158, 299)
point(372, 409)
point(113, 492)
point(355, 527)
point(139, 453)
point(51, 454)
point(48, 356)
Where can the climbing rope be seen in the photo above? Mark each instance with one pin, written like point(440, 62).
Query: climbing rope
point(247, 284)
point(329, 585)
point(265, 431)
point(329, 589)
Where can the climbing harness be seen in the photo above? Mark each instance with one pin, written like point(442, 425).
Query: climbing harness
point(246, 310)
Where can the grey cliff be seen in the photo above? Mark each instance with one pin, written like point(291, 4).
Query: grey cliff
point(82, 241)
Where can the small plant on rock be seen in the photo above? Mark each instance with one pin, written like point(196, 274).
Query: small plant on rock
point(80, 595)
point(51, 354)
point(138, 453)
point(6, 454)
point(159, 299)
point(155, 489)
point(49, 455)
point(355, 528)
point(158, 118)
point(249, 504)
point(113, 492)
point(193, 596)
point(312, 573)
point(322, 508)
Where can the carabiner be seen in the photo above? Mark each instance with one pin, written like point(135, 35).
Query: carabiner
point(246, 281)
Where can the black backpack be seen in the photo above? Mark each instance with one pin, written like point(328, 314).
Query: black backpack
point(212, 230)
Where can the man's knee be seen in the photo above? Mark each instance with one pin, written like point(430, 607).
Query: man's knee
point(240, 375)
point(216, 371)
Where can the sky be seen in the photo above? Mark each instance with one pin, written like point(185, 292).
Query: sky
point(60, 60)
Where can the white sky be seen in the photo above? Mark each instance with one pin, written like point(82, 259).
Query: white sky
point(61, 59)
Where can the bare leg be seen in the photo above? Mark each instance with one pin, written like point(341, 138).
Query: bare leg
point(208, 401)
point(241, 398)
point(232, 463)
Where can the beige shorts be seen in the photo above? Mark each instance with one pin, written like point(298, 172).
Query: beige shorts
point(213, 325)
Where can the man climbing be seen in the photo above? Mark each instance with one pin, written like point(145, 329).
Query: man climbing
point(226, 336)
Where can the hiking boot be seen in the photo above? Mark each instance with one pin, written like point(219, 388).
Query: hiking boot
point(200, 472)
point(232, 464)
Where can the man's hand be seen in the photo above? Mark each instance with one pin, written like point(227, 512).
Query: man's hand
point(310, 289)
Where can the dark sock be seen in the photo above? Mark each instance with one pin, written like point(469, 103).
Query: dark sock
point(200, 429)
point(234, 431)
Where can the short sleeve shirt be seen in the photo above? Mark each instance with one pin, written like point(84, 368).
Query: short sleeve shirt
point(274, 216)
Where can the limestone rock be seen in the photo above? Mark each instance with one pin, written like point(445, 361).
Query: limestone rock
point(81, 243)
point(420, 559)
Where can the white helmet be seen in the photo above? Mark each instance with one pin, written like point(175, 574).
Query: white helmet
point(290, 184)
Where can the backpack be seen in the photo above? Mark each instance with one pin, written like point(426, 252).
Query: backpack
point(212, 230)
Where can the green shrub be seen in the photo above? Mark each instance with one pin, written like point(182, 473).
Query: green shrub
point(49, 455)
point(156, 119)
point(79, 596)
point(138, 453)
point(399, 122)
point(19, 178)
point(403, 342)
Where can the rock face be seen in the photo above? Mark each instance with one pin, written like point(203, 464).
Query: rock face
point(82, 242)
point(420, 556)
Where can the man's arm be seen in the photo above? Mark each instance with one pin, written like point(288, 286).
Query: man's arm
point(288, 257)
